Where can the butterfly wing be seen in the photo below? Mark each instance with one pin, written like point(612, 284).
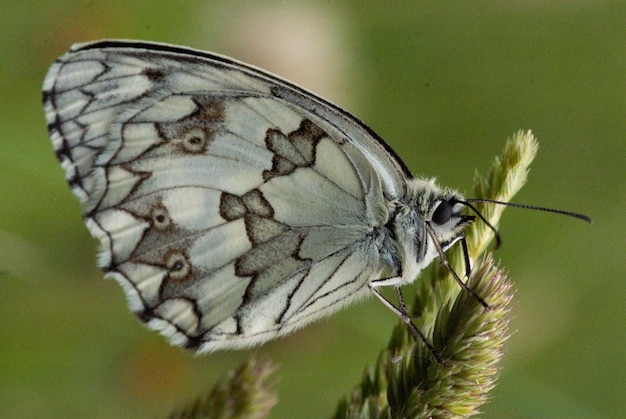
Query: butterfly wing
point(231, 205)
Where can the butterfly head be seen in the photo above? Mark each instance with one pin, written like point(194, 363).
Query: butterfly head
point(447, 222)
point(441, 212)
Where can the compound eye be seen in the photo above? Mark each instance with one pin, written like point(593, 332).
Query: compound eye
point(442, 213)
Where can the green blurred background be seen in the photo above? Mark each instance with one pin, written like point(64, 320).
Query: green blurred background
point(445, 83)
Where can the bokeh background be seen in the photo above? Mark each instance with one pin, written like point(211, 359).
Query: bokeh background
point(445, 83)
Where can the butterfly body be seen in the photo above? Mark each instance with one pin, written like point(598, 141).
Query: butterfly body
point(233, 206)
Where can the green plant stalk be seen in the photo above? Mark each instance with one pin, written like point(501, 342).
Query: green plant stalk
point(243, 393)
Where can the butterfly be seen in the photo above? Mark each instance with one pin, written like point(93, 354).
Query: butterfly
point(232, 206)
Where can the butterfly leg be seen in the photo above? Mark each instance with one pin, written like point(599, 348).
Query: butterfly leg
point(401, 304)
point(446, 263)
point(468, 266)
point(402, 312)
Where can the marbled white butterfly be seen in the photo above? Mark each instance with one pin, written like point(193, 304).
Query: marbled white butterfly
point(232, 206)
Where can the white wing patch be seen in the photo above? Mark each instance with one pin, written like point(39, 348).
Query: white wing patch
point(228, 215)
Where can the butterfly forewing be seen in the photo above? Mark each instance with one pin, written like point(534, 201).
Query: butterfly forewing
point(232, 206)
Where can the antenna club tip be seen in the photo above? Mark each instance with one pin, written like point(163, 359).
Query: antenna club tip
point(583, 217)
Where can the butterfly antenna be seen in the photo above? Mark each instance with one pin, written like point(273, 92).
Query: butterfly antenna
point(532, 207)
point(467, 203)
